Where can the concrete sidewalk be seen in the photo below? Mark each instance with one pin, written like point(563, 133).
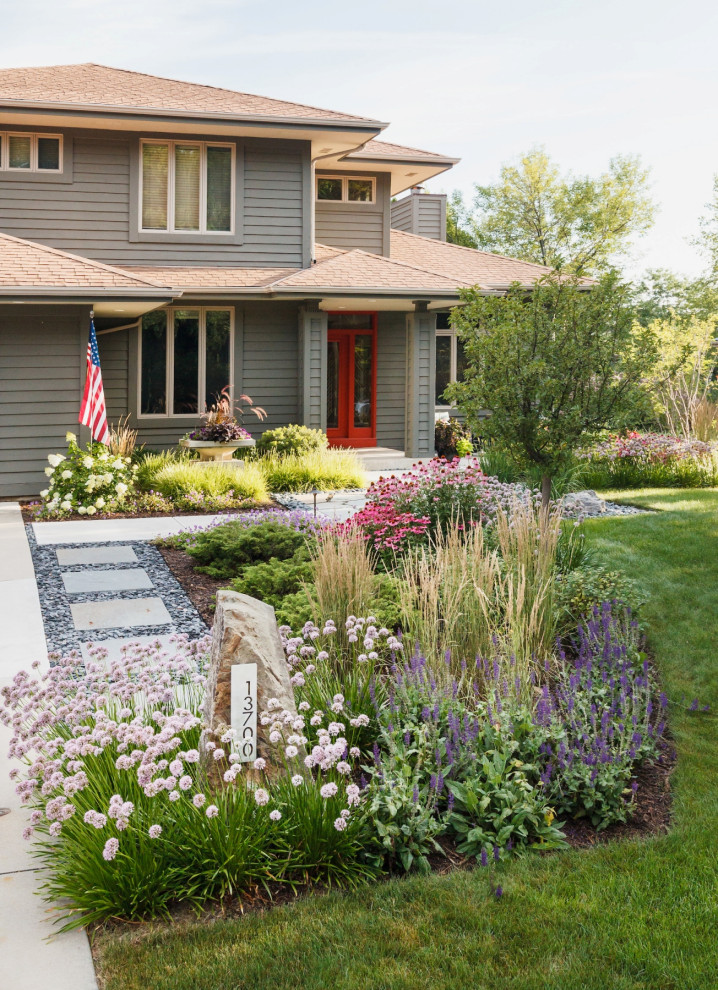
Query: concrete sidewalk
point(32, 955)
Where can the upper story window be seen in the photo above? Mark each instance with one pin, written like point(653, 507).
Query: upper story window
point(345, 189)
point(450, 358)
point(30, 152)
point(186, 359)
point(187, 187)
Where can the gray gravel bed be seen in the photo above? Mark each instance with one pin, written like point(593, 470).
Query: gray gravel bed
point(55, 603)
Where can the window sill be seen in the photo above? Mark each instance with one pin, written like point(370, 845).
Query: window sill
point(170, 237)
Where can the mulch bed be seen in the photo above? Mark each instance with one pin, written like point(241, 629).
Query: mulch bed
point(199, 588)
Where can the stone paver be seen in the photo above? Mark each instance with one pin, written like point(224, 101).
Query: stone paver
point(114, 646)
point(85, 582)
point(120, 613)
point(95, 555)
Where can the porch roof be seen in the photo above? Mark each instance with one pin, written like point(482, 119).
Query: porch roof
point(30, 269)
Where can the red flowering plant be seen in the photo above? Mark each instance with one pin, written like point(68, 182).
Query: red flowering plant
point(403, 512)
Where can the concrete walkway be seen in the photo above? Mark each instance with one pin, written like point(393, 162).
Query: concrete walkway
point(32, 955)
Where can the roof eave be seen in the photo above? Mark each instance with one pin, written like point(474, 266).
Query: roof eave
point(96, 109)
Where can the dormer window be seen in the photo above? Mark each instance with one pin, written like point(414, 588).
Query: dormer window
point(187, 187)
point(30, 152)
point(345, 189)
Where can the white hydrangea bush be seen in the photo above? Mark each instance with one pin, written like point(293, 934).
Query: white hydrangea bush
point(87, 481)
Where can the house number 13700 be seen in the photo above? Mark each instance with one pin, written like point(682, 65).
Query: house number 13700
point(244, 710)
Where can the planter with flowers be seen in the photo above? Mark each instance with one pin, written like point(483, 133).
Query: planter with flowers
point(222, 433)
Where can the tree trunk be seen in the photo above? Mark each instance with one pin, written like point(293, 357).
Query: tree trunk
point(545, 490)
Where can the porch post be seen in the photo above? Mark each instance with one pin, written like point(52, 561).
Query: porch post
point(420, 373)
point(312, 365)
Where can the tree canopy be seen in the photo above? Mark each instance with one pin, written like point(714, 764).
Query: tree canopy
point(554, 367)
point(579, 224)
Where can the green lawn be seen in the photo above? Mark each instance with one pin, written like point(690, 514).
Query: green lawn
point(638, 914)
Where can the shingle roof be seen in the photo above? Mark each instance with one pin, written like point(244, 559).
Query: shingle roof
point(417, 264)
point(27, 265)
point(466, 266)
point(358, 270)
point(211, 278)
point(385, 151)
point(89, 85)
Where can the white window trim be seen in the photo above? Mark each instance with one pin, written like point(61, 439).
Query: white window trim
point(345, 189)
point(5, 154)
point(170, 228)
point(453, 363)
point(202, 363)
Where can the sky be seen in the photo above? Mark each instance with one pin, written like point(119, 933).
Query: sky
point(483, 81)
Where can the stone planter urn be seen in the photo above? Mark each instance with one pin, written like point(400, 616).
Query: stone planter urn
point(210, 450)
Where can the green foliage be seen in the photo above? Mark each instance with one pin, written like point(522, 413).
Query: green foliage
point(452, 438)
point(627, 472)
point(577, 223)
point(497, 804)
point(458, 221)
point(226, 550)
point(327, 470)
point(291, 440)
point(178, 479)
point(273, 580)
point(583, 588)
point(554, 368)
point(402, 806)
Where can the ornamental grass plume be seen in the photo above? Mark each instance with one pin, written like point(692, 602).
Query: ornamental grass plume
point(343, 569)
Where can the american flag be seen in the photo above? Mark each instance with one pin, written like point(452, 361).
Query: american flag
point(93, 412)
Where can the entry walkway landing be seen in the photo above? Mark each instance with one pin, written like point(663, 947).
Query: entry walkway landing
point(32, 955)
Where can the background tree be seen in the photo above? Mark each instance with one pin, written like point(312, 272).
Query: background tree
point(575, 223)
point(554, 366)
point(707, 240)
point(458, 221)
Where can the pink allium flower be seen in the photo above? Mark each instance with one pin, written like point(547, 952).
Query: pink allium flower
point(291, 751)
point(340, 824)
point(218, 754)
point(261, 796)
point(174, 795)
point(212, 811)
point(275, 815)
point(185, 783)
point(110, 850)
point(27, 832)
point(176, 768)
point(55, 828)
point(198, 800)
point(297, 779)
point(154, 831)
point(259, 763)
point(328, 790)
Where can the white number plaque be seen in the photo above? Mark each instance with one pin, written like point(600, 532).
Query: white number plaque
point(243, 712)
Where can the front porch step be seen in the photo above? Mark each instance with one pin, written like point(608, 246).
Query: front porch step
point(384, 459)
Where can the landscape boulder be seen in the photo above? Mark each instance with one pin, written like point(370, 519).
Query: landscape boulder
point(245, 632)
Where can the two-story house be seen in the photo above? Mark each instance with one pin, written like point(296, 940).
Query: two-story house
point(220, 238)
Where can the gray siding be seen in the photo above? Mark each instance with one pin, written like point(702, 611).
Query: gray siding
point(420, 375)
point(265, 364)
point(42, 357)
point(92, 215)
point(421, 213)
point(391, 380)
point(356, 225)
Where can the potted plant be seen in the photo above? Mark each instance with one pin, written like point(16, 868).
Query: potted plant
point(222, 433)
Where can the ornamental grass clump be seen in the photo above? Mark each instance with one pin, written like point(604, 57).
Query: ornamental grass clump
point(327, 470)
point(196, 482)
point(87, 481)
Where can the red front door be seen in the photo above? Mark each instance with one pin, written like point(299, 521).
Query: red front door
point(351, 380)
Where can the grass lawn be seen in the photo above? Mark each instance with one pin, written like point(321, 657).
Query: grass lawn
point(638, 914)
